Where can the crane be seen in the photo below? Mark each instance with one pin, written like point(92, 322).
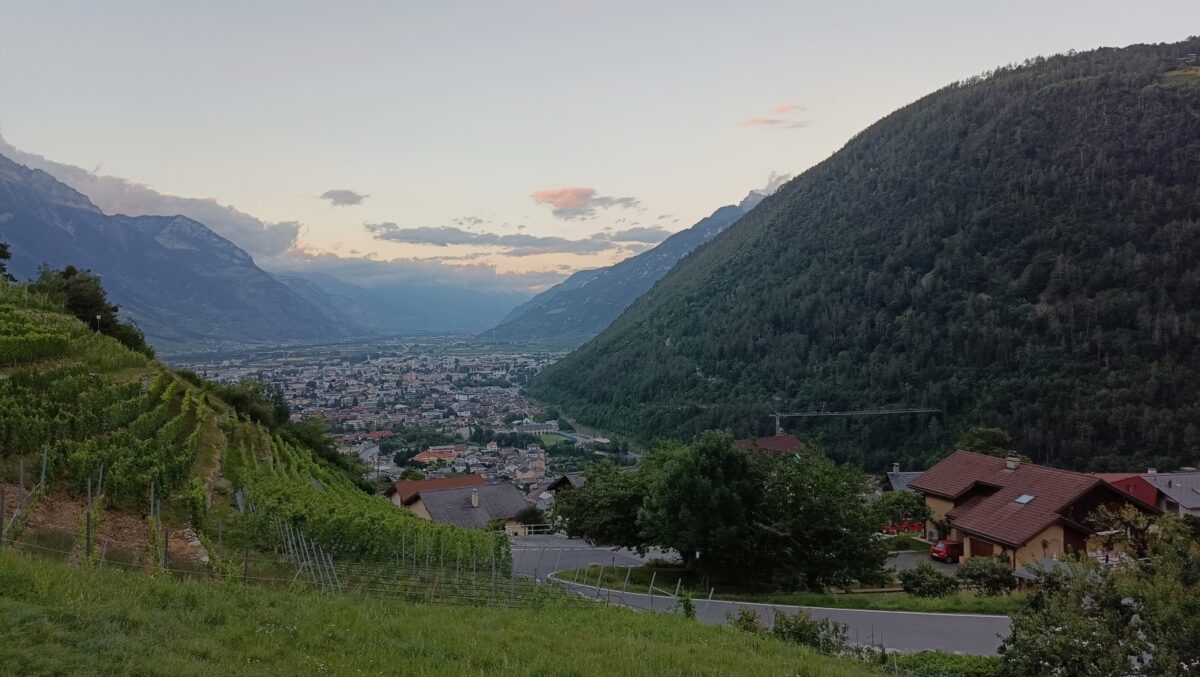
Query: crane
point(778, 416)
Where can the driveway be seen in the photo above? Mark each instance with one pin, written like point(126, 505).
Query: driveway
point(903, 561)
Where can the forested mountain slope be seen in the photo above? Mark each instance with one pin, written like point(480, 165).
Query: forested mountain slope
point(181, 282)
point(581, 306)
point(1019, 250)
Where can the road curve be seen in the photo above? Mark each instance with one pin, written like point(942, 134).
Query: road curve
point(906, 631)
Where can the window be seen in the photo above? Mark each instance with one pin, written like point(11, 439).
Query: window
point(1023, 499)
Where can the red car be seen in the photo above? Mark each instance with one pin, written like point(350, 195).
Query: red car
point(946, 551)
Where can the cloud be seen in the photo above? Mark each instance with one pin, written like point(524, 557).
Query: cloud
point(642, 234)
point(782, 116)
point(514, 244)
point(370, 273)
point(469, 221)
point(579, 203)
point(114, 195)
point(343, 197)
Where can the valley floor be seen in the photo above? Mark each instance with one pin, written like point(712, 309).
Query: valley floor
point(58, 620)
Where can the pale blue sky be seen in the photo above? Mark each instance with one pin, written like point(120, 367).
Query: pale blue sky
point(445, 110)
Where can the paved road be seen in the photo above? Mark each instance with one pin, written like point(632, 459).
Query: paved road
point(899, 630)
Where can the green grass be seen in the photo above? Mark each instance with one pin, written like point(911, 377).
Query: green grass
point(55, 620)
point(551, 439)
point(906, 542)
point(1188, 76)
point(666, 577)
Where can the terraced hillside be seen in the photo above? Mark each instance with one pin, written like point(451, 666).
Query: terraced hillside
point(154, 449)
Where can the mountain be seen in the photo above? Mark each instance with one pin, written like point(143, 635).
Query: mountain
point(1019, 250)
point(403, 306)
point(581, 306)
point(181, 283)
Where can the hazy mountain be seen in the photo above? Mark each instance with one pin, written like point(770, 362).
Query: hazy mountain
point(1020, 250)
point(182, 283)
point(404, 307)
point(581, 306)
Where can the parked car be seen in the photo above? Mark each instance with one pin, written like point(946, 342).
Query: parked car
point(946, 551)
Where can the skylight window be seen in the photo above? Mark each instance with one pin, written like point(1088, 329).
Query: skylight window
point(1023, 499)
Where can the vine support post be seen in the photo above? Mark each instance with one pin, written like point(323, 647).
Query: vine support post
point(21, 484)
point(653, 575)
point(2, 504)
point(45, 455)
point(87, 524)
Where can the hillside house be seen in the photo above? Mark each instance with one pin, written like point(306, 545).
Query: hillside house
point(1020, 511)
point(472, 507)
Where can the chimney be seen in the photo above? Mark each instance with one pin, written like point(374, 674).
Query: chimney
point(1012, 462)
point(895, 468)
point(474, 498)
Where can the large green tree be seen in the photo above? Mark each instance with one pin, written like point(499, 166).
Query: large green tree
point(812, 528)
point(702, 504)
point(605, 510)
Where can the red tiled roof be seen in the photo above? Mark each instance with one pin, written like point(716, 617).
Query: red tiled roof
point(776, 444)
point(998, 517)
point(408, 489)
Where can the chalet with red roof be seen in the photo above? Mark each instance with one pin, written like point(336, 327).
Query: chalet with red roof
point(1012, 509)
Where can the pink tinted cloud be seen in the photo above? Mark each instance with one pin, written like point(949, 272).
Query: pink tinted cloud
point(783, 116)
point(564, 198)
point(579, 202)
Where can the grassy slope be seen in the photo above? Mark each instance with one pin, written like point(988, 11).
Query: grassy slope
point(54, 620)
point(963, 602)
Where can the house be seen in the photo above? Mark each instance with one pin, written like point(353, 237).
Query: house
point(402, 494)
point(536, 428)
point(1013, 509)
point(542, 495)
point(1179, 492)
point(1133, 484)
point(899, 481)
point(776, 444)
point(472, 507)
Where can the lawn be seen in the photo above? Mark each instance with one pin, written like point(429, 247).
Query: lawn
point(551, 439)
point(665, 578)
point(56, 620)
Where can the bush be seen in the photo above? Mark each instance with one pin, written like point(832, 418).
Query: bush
point(747, 620)
point(685, 605)
point(939, 664)
point(800, 628)
point(989, 576)
point(925, 581)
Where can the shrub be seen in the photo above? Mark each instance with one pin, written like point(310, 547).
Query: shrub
point(747, 620)
point(988, 576)
point(925, 581)
point(685, 605)
point(939, 664)
point(800, 628)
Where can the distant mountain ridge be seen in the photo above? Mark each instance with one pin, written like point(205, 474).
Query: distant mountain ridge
point(581, 306)
point(182, 283)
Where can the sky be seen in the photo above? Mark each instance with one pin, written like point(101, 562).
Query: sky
point(500, 144)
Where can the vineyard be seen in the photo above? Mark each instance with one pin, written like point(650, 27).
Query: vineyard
point(171, 451)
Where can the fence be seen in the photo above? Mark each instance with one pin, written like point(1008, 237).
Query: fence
point(25, 499)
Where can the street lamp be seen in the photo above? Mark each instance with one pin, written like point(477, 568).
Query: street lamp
point(97, 324)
